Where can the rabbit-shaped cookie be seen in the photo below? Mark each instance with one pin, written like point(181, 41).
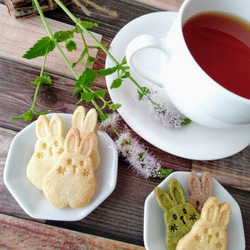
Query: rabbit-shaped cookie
point(48, 148)
point(179, 215)
point(87, 123)
point(72, 180)
point(199, 189)
point(208, 233)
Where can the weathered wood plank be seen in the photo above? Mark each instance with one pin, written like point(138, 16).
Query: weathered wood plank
point(23, 234)
point(232, 171)
point(172, 5)
point(18, 35)
point(108, 25)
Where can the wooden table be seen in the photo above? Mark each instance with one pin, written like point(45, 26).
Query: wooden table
point(118, 222)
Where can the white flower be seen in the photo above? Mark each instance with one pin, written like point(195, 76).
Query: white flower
point(162, 110)
point(142, 162)
point(110, 123)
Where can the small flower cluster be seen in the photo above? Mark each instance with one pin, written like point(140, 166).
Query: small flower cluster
point(162, 111)
point(140, 159)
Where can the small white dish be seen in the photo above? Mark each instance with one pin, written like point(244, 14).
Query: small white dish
point(154, 227)
point(192, 142)
point(32, 200)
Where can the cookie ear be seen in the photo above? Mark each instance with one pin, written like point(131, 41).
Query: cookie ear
point(79, 117)
point(194, 184)
point(224, 214)
point(87, 144)
point(163, 199)
point(56, 126)
point(72, 140)
point(90, 120)
point(42, 126)
point(210, 209)
point(176, 191)
point(207, 184)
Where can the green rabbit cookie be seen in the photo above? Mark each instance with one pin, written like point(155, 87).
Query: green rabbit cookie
point(179, 215)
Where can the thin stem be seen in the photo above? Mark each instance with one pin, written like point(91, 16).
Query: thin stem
point(105, 50)
point(39, 84)
point(52, 37)
point(102, 115)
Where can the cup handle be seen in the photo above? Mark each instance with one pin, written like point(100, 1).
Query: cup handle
point(148, 56)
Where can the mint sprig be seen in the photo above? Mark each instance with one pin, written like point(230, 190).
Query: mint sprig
point(41, 48)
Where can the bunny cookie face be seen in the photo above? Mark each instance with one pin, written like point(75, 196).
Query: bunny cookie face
point(199, 189)
point(209, 232)
point(179, 215)
point(87, 123)
point(72, 181)
point(48, 148)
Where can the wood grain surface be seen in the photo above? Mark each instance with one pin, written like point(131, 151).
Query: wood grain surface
point(120, 217)
point(35, 235)
point(18, 35)
point(170, 5)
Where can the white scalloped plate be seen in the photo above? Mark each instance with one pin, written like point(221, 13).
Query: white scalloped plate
point(32, 200)
point(154, 227)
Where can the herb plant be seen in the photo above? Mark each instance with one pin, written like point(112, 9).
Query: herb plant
point(137, 155)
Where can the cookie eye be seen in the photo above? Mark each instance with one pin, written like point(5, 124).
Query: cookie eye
point(55, 143)
point(69, 161)
point(184, 210)
point(175, 216)
point(81, 163)
point(44, 145)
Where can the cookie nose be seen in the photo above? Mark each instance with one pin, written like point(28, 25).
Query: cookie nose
point(182, 219)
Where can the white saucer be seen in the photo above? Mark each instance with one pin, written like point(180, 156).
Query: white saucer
point(32, 200)
point(192, 142)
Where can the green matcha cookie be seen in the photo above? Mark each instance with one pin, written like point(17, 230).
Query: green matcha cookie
point(179, 215)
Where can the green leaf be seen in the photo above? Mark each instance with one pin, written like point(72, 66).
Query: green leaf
point(28, 116)
point(70, 45)
point(124, 60)
point(142, 92)
point(40, 48)
point(100, 94)
point(106, 72)
point(91, 59)
point(126, 75)
point(86, 78)
point(88, 25)
point(81, 57)
point(63, 35)
point(115, 106)
point(44, 79)
point(87, 97)
point(163, 172)
point(186, 121)
point(116, 83)
point(77, 91)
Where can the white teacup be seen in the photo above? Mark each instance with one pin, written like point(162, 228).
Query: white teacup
point(191, 90)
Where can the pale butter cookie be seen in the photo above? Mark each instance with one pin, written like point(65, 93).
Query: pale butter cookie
point(72, 180)
point(48, 148)
point(87, 123)
point(208, 233)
